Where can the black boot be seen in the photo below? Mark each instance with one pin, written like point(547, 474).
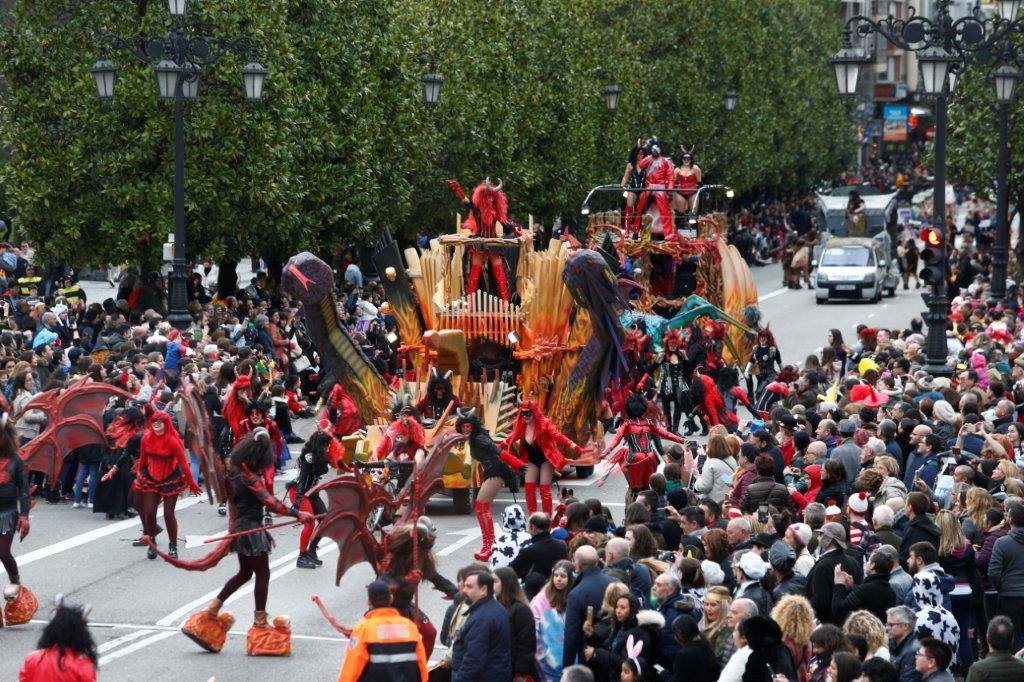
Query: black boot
point(305, 561)
point(151, 554)
point(140, 543)
point(172, 551)
point(222, 510)
point(311, 553)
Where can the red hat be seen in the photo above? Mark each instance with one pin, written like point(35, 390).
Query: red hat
point(867, 396)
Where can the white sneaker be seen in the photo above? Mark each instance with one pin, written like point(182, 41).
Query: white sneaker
point(77, 505)
point(89, 505)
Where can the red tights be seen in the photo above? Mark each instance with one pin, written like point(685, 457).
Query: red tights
point(148, 503)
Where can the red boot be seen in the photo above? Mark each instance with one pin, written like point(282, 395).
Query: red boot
point(475, 271)
point(530, 492)
point(500, 278)
point(19, 604)
point(545, 499)
point(483, 517)
point(209, 628)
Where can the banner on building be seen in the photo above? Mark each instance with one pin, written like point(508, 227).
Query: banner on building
point(895, 122)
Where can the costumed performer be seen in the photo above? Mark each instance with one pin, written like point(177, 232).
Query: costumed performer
point(676, 397)
point(439, 394)
point(487, 219)
point(768, 361)
point(19, 603)
point(124, 438)
point(314, 463)
point(688, 177)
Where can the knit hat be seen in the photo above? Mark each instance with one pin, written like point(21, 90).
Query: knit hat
point(802, 532)
point(943, 411)
point(832, 510)
point(753, 566)
point(859, 503)
point(713, 573)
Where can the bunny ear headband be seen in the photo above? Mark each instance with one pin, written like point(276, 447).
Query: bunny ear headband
point(633, 649)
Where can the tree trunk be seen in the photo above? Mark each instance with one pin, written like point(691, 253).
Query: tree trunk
point(227, 279)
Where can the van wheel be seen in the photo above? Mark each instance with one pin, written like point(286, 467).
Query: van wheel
point(821, 301)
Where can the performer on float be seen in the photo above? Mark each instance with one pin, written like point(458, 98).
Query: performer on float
point(637, 458)
point(539, 440)
point(439, 394)
point(633, 182)
point(488, 219)
point(659, 172)
point(688, 177)
point(403, 574)
point(19, 603)
point(767, 359)
point(676, 400)
point(342, 412)
point(637, 349)
point(496, 467)
point(405, 439)
point(162, 474)
point(314, 463)
point(248, 497)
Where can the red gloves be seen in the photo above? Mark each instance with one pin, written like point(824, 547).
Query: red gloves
point(511, 460)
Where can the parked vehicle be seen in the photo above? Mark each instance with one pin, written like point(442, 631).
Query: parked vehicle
point(856, 268)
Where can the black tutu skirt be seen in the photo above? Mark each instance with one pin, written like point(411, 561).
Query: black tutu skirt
point(253, 544)
point(8, 521)
point(175, 484)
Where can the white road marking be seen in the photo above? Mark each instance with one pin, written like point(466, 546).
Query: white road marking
point(772, 294)
point(187, 609)
point(470, 534)
point(146, 629)
point(506, 500)
point(93, 535)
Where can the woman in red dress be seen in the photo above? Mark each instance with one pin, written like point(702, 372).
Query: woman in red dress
point(162, 474)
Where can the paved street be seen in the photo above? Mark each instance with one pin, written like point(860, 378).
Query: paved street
point(138, 605)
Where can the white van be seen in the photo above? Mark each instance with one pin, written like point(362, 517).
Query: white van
point(853, 268)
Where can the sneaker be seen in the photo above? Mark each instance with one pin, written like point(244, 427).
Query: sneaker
point(88, 505)
point(222, 510)
point(304, 561)
point(173, 551)
point(77, 505)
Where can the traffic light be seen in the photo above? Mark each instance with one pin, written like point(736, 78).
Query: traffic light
point(932, 255)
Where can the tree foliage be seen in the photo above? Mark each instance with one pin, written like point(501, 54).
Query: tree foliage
point(342, 147)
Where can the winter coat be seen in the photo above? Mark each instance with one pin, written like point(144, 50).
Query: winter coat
point(670, 609)
point(848, 453)
point(745, 478)
point(716, 478)
point(550, 635)
point(483, 647)
point(794, 584)
point(833, 491)
point(755, 592)
point(891, 489)
point(902, 658)
point(694, 662)
point(764, 490)
point(960, 565)
point(28, 423)
point(536, 558)
point(920, 529)
point(589, 591)
point(1006, 568)
point(509, 543)
point(821, 582)
point(638, 577)
point(608, 658)
point(933, 619)
point(524, 639)
point(984, 555)
point(874, 595)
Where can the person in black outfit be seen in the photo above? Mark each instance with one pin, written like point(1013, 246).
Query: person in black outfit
point(123, 437)
point(14, 498)
point(535, 560)
point(524, 631)
point(313, 464)
point(694, 661)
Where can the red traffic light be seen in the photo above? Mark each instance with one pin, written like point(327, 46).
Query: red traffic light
point(931, 237)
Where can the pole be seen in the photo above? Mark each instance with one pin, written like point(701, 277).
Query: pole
point(938, 299)
point(179, 317)
point(1000, 250)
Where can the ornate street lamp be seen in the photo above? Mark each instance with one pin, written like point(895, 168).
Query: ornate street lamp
point(935, 63)
point(611, 94)
point(847, 63)
point(731, 98)
point(1006, 78)
point(177, 8)
point(432, 82)
point(104, 73)
point(254, 76)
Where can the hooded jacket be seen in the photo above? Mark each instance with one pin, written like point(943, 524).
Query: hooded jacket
point(509, 543)
point(646, 629)
point(933, 619)
point(1006, 568)
point(919, 529)
point(813, 472)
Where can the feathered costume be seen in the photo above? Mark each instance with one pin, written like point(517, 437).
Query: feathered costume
point(488, 218)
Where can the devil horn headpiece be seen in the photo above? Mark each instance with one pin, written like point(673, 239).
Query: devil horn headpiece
point(448, 375)
point(467, 412)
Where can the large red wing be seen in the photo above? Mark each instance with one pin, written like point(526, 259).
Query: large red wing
point(199, 438)
point(82, 398)
point(355, 544)
point(46, 452)
point(428, 475)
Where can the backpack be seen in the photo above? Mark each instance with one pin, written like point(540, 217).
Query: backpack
point(869, 542)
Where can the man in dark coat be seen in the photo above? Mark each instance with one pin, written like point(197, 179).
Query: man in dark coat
point(821, 581)
point(589, 591)
point(483, 647)
point(668, 593)
point(535, 560)
point(764, 489)
point(900, 622)
point(920, 528)
point(874, 594)
point(621, 566)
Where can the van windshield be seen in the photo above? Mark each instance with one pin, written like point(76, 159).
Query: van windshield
point(847, 256)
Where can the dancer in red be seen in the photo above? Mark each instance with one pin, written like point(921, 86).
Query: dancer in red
point(247, 499)
point(239, 395)
point(687, 178)
point(637, 458)
point(539, 440)
point(162, 473)
point(404, 439)
point(496, 467)
point(342, 412)
point(488, 219)
point(19, 603)
point(660, 173)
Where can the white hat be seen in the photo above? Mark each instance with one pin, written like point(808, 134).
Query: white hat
point(753, 566)
point(858, 503)
point(832, 510)
point(802, 532)
point(366, 310)
point(713, 573)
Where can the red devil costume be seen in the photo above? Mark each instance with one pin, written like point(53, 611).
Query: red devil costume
point(539, 440)
point(676, 397)
point(659, 175)
point(439, 394)
point(162, 473)
point(496, 467)
point(247, 499)
point(637, 458)
point(19, 603)
point(256, 417)
point(239, 395)
point(403, 439)
point(636, 347)
point(320, 452)
point(488, 218)
point(342, 412)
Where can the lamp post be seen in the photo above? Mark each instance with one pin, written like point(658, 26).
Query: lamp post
point(611, 94)
point(178, 59)
point(731, 98)
point(1006, 78)
point(942, 45)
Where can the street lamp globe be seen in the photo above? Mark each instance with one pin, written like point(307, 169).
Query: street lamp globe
point(190, 84)
point(177, 7)
point(105, 74)
point(935, 63)
point(1008, 9)
point(611, 94)
point(1006, 78)
point(847, 63)
point(730, 100)
point(167, 75)
point(254, 76)
point(432, 82)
